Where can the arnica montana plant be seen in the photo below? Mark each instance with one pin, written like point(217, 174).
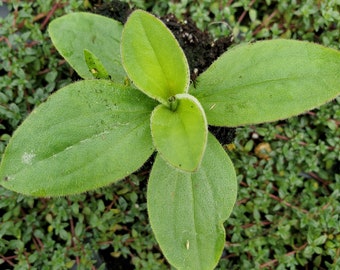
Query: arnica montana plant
point(136, 98)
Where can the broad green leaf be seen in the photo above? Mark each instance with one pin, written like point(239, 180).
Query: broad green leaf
point(187, 210)
point(267, 81)
point(74, 32)
point(153, 58)
point(180, 135)
point(95, 66)
point(86, 135)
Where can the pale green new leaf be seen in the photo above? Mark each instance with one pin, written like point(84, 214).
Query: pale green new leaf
point(153, 58)
point(187, 210)
point(74, 32)
point(180, 136)
point(267, 81)
point(95, 66)
point(87, 135)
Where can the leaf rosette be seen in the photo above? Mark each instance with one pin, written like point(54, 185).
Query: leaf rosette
point(97, 131)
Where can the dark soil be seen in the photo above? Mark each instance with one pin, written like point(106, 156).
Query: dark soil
point(115, 10)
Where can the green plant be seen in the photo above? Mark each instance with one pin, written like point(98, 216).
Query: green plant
point(97, 131)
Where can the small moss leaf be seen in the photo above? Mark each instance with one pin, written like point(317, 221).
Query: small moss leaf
point(87, 135)
point(73, 33)
point(152, 57)
point(95, 66)
point(180, 135)
point(267, 81)
point(187, 210)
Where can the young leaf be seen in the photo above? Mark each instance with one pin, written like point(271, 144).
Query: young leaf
point(187, 210)
point(95, 66)
point(153, 58)
point(74, 32)
point(180, 135)
point(86, 135)
point(267, 81)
